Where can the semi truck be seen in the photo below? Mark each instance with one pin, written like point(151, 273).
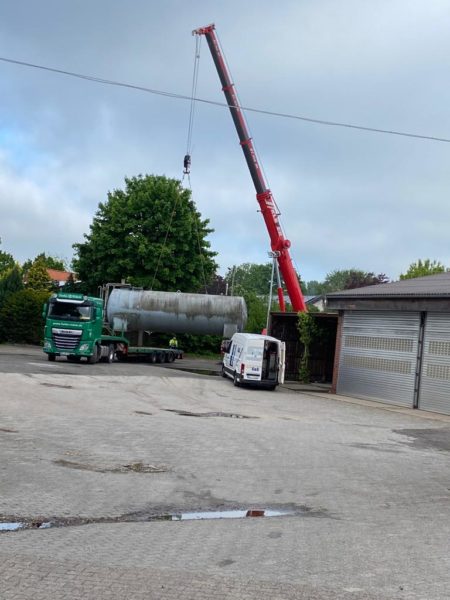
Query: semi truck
point(99, 328)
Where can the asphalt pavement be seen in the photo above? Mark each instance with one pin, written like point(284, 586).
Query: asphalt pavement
point(102, 463)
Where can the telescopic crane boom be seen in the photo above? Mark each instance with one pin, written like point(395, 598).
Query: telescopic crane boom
point(279, 244)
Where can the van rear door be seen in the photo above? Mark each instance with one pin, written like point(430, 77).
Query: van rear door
point(282, 362)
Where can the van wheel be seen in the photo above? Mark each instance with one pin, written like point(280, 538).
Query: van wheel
point(235, 380)
point(272, 388)
point(223, 372)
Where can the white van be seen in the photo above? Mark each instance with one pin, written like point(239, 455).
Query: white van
point(254, 359)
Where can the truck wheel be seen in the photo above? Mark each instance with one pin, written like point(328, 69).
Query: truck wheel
point(51, 357)
point(95, 356)
point(111, 353)
point(235, 380)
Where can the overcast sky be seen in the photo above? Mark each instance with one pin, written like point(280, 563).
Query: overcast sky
point(348, 198)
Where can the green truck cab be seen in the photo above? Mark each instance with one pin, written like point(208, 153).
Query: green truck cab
point(74, 328)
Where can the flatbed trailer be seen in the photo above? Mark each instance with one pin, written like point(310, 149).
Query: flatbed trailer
point(149, 354)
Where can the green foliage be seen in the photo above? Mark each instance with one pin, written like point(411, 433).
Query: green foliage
point(421, 268)
point(203, 345)
point(308, 331)
point(6, 261)
point(51, 262)
point(345, 279)
point(37, 277)
point(249, 277)
point(21, 317)
point(256, 312)
point(151, 227)
point(10, 282)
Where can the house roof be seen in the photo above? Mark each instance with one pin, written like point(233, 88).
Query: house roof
point(58, 275)
point(433, 286)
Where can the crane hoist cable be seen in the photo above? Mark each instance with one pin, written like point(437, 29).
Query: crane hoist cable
point(187, 156)
point(187, 168)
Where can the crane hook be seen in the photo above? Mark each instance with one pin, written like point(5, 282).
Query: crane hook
point(187, 164)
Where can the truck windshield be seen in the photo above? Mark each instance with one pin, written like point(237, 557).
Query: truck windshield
point(69, 311)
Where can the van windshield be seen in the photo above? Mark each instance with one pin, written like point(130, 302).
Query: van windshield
point(70, 311)
point(254, 353)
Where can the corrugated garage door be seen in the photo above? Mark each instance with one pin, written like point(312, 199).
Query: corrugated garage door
point(434, 392)
point(378, 356)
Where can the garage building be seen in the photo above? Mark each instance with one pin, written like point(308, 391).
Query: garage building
point(393, 342)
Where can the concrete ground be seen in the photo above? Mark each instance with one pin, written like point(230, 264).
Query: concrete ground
point(103, 450)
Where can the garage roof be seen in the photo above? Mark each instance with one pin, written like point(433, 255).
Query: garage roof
point(436, 286)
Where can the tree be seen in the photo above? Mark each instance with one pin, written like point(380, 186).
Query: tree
point(6, 261)
point(10, 282)
point(37, 277)
point(256, 312)
point(421, 268)
point(249, 277)
point(149, 234)
point(21, 317)
point(348, 279)
point(51, 262)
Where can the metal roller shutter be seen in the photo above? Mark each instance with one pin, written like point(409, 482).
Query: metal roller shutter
point(434, 392)
point(378, 356)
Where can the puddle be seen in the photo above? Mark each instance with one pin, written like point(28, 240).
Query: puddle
point(187, 413)
point(135, 467)
point(143, 412)
point(57, 385)
point(229, 514)
point(427, 439)
point(11, 526)
point(15, 526)
point(245, 513)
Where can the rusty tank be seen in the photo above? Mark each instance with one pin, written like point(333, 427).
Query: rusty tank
point(131, 309)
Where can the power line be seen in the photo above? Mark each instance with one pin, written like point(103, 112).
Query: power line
point(271, 113)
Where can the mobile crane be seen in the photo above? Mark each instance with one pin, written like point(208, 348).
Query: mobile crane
point(279, 244)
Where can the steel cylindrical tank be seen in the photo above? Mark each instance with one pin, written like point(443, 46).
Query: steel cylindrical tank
point(175, 312)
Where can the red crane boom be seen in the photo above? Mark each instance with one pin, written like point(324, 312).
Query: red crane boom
point(279, 244)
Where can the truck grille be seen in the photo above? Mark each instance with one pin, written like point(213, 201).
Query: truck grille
point(66, 339)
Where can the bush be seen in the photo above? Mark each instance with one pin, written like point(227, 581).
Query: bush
point(21, 317)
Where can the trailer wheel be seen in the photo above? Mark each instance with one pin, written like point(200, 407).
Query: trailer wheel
point(153, 357)
point(51, 357)
point(111, 353)
point(171, 357)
